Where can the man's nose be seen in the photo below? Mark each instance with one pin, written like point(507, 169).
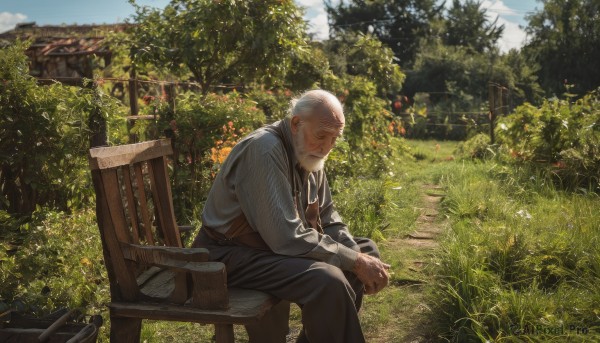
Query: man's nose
point(327, 146)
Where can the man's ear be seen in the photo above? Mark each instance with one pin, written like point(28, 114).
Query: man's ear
point(294, 126)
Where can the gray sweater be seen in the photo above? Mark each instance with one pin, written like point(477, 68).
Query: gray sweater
point(255, 179)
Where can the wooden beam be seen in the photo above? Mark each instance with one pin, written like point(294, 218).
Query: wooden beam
point(111, 157)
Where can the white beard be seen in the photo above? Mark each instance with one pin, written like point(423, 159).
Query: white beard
point(306, 160)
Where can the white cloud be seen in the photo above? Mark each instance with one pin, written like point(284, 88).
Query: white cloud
point(513, 36)
point(310, 3)
point(498, 7)
point(9, 20)
point(319, 26)
point(316, 16)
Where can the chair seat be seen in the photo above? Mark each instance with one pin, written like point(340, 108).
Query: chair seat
point(245, 307)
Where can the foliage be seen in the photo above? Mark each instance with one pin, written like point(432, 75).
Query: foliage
point(467, 25)
point(452, 84)
point(367, 132)
point(221, 41)
point(399, 24)
point(563, 135)
point(519, 254)
point(204, 128)
point(365, 55)
point(274, 103)
point(361, 204)
point(307, 68)
point(54, 260)
point(475, 147)
point(564, 39)
point(45, 132)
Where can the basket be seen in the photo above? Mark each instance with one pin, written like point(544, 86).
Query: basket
point(62, 326)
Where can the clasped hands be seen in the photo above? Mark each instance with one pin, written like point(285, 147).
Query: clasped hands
point(373, 273)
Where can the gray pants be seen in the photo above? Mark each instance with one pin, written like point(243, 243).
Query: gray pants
point(329, 297)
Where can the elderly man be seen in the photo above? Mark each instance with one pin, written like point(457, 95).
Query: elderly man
point(270, 218)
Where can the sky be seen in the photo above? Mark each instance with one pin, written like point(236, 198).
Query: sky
point(510, 13)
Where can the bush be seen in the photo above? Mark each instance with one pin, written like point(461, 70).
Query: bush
point(563, 137)
point(360, 203)
point(204, 128)
point(54, 260)
point(367, 132)
point(476, 147)
point(45, 133)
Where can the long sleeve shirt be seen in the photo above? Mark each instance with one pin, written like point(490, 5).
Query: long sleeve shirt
point(256, 180)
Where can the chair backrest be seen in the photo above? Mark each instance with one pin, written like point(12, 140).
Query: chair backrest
point(133, 206)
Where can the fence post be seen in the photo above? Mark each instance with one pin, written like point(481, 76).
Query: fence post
point(96, 122)
point(133, 104)
point(492, 98)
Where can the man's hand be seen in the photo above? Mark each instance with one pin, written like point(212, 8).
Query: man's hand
point(371, 272)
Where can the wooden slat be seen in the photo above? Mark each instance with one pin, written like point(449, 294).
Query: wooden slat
point(139, 177)
point(161, 194)
point(126, 284)
point(104, 225)
point(147, 275)
point(160, 286)
point(156, 255)
point(246, 307)
point(110, 157)
point(133, 218)
point(115, 205)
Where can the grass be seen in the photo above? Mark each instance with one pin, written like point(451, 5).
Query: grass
point(520, 254)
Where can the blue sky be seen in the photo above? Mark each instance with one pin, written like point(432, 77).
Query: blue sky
point(510, 13)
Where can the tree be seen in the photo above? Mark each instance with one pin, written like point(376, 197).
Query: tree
point(399, 24)
point(365, 55)
point(221, 40)
point(467, 25)
point(564, 39)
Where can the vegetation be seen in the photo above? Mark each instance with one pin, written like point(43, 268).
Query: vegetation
point(519, 258)
point(562, 136)
point(565, 43)
point(221, 41)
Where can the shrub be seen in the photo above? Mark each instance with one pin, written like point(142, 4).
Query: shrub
point(476, 147)
point(562, 136)
point(54, 260)
point(45, 132)
point(204, 128)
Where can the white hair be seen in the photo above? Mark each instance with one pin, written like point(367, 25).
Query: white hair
point(309, 100)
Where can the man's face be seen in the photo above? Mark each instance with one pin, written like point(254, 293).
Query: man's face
point(314, 138)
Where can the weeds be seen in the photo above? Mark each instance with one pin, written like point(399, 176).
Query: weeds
point(521, 254)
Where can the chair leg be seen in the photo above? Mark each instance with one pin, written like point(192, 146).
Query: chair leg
point(126, 330)
point(224, 333)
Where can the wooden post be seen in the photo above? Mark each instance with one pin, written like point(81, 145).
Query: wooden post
point(133, 98)
point(97, 124)
point(491, 90)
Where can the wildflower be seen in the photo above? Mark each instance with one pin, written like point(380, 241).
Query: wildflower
point(524, 214)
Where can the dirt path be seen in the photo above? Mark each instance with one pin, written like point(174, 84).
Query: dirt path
point(417, 250)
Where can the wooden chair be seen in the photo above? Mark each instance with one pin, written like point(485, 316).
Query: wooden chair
point(152, 276)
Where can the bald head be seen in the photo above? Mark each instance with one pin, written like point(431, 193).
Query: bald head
point(321, 107)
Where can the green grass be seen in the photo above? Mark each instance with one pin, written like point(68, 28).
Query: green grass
point(520, 254)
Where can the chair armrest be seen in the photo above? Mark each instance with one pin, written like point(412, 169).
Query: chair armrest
point(150, 254)
point(209, 287)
